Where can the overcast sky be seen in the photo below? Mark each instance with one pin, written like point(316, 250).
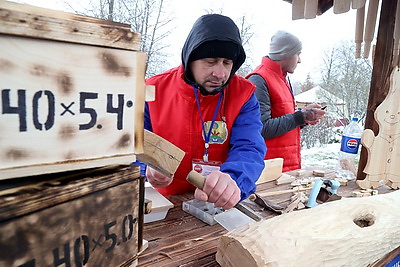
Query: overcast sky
point(266, 16)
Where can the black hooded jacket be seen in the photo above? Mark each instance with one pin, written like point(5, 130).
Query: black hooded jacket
point(204, 30)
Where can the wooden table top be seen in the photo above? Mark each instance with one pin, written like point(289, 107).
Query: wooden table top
point(184, 240)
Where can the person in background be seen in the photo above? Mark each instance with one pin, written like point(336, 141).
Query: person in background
point(211, 113)
point(281, 122)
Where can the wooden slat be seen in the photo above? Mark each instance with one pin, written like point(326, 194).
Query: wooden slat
point(359, 32)
point(341, 6)
point(370, 23)
point(310, 9)
point(298, 9)
point(36, 22)
point(356, 4)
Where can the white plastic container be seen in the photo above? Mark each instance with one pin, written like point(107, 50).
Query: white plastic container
point(160, 205)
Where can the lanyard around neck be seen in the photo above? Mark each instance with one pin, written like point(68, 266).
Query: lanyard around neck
point(207, 135)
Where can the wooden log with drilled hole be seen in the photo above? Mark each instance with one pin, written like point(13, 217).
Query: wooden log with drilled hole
point(347, 232)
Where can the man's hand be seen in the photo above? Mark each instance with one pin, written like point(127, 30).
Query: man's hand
point(312, 113)
point(156, 179)
point(220, 189)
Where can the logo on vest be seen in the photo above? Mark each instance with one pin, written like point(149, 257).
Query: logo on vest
point(219, 132)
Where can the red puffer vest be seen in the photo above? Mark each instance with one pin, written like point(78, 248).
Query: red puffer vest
point(175, 117)
point(286, 146)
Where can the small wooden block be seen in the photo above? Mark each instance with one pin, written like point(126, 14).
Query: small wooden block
point(319, 173)
point(160, 154)
point(285, 179)
point(342, 181)
point(295, 183)
point(301, 206)
point(356, 194)
point(272, 170)
point(147, 205)
point(301, 173)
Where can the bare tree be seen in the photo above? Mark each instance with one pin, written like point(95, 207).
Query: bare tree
point(146, 17)
point(246, 33)
point(348, 79)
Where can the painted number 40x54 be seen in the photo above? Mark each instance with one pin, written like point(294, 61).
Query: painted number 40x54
point(43, 97)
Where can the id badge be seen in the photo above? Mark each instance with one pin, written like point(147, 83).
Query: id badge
point(205, 168)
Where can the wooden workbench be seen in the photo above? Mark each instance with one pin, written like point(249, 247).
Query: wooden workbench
point(183, 240)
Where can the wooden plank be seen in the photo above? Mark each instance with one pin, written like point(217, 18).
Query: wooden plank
point(356, 4)
point(370, 26)
point(310, 9)
point(67, 106)
point(272, 170)
point(298, 9)
point(89, 221)
point(160, 154)
point(140, 96)
point(359, 32)
point(349, 226)
point(36, 22)
point(341, 6)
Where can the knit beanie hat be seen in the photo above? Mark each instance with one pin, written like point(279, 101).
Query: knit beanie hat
point(215, 48)
point(283, 45)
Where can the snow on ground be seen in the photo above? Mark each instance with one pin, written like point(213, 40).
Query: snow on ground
point(326, 156)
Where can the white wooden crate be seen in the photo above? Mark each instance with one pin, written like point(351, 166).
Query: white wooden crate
point(66, 105)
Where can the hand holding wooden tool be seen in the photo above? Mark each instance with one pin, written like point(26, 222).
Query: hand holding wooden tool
point(198, 180)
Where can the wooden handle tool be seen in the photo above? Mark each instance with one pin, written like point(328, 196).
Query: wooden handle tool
point(198, 181)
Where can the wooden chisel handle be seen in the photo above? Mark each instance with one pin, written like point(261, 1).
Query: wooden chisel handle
point(198, 181)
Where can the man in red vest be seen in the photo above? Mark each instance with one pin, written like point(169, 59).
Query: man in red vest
point(281, 122)
point(211, 113)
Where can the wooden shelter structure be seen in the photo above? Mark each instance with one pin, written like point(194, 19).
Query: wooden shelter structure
point(385, 53)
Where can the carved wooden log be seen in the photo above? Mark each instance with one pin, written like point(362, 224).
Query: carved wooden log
point(347, 232)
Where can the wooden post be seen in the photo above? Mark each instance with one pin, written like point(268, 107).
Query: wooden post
point(382, 67)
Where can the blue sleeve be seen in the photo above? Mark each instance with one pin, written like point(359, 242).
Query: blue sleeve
point(147, 121)
point(245, 160)
point(147, 126)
